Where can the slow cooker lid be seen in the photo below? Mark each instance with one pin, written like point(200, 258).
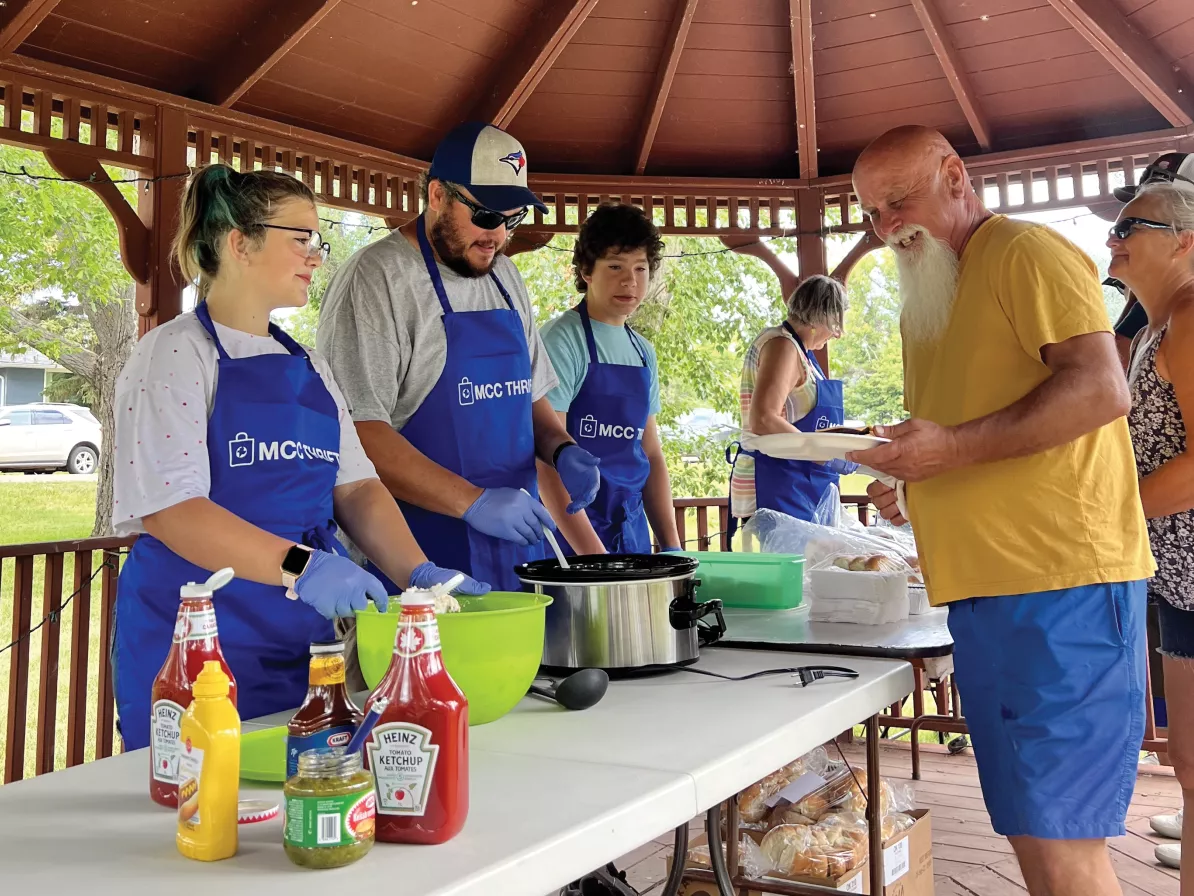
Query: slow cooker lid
point(591, 568)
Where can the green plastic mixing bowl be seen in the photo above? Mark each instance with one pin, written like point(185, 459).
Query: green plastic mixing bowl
point(491, 648)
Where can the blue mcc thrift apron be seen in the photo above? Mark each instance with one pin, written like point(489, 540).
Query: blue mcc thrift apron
point(796, 487)
point(476, 422)
point(608, 418)
point(273, 442)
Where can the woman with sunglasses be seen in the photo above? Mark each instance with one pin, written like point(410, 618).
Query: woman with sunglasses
point(1152, 251)
point(233, 447)
point(784, 389)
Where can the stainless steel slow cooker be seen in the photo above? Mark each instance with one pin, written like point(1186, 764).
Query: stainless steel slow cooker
point(622, 611)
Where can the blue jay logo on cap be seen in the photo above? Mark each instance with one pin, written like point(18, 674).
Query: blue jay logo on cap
point(516, 160)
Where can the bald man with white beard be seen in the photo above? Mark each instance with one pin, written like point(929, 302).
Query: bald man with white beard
point(1021, 488)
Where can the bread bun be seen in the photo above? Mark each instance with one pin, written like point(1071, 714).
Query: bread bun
point(752, 802)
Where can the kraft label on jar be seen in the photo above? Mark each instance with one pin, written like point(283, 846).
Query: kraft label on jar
point(314, 822)
point(402, 759)
point(165, 743)
point(415, 638)
point(336, 736)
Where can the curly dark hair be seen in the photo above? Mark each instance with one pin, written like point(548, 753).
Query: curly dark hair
point(615, 227)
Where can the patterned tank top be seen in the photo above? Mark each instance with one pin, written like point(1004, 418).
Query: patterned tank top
point(1158, 436)
point(797, 404)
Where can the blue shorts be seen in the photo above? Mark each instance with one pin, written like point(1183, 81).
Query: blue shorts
point(1052, 687)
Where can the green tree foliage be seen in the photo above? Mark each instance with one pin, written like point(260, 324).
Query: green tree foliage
point(63, 289)
point(868, 356)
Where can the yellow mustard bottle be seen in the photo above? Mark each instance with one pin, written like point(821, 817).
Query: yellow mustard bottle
point(209, 770)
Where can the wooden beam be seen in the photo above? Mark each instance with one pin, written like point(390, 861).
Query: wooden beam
point(159, 299)
point(20, 19)
point(527, 62)
point(1132, 55)
point(869, 243)
point(673, 47)
point(252, 54)
point(801, 20)
point(134, 235)
point(951, 63)
point(753, 246)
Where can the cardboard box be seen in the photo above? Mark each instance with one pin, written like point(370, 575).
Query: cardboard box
point(907, 866)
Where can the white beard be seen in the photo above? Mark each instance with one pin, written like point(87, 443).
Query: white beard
point(928, 284)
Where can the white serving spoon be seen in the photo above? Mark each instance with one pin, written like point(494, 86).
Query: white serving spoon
point(551, 539)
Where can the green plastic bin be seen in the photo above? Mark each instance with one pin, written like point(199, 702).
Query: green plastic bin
point(750, 581)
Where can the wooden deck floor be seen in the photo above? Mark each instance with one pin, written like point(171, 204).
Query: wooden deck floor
point(969, 858)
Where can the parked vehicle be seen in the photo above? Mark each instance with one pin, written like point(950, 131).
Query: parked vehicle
point(48, 436)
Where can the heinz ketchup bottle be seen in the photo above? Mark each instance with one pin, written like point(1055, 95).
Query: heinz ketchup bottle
point(418, 751)
point(196, 641)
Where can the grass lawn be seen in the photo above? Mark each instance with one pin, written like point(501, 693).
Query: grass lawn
point(36, 509)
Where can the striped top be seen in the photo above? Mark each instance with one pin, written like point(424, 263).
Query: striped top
point(800, 401)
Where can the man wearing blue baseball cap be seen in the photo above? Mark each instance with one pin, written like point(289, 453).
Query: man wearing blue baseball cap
point(431, 336)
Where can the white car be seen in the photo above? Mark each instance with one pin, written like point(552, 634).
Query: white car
point(49, 437)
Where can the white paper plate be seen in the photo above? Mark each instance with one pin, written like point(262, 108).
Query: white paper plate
point(814, 446)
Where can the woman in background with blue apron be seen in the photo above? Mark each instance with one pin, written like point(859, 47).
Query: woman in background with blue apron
point(233, 447)
point(784, 389)
point(609, 390)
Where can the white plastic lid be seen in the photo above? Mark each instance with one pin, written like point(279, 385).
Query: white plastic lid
point(215, 582)
point(322, 647)
point(418, 597)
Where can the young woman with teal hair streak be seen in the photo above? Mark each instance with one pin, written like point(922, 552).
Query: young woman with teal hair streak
point(234, 447)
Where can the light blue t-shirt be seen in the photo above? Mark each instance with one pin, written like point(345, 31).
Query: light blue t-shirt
point(564, 339)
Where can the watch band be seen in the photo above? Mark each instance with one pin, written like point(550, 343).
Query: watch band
point(555, 455)
point(294, 564)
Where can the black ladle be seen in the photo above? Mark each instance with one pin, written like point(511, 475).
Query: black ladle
point(580, 690)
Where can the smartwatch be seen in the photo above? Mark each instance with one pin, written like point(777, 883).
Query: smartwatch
point(294, 564)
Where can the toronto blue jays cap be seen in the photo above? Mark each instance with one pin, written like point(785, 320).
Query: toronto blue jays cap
point(488, 162)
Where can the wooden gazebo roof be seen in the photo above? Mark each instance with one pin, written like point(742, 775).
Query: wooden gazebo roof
point(721, 88)
point(726, 117)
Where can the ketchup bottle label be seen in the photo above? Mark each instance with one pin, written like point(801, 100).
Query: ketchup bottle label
point(165, 741)
point(195, 625)
point(416, 638)
point(402, 758)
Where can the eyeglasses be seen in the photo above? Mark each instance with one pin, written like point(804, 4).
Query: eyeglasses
point(486, 218)
point(1123, 229)
point(314, 243)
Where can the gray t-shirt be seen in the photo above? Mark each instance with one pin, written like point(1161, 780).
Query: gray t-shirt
point(380, 328)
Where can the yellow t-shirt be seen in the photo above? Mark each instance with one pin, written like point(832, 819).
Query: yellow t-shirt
point(1066, 517)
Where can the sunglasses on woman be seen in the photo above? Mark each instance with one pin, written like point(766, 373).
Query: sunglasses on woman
point(1123, 229)
point(314, 242)
point(487, 218)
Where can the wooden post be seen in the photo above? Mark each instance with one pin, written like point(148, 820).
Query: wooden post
point(160, 300)
point(810, 244)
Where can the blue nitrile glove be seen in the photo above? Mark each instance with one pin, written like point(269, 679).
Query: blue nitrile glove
point(841, 467)
point(578, 471)
point(427, 575)
point(335, 586)
point(670, 550)
point(510, 514)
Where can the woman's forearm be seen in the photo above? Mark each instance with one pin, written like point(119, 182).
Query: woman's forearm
point(204, 533)
point(368, 514)
point(1169, 489)
point(575, 527)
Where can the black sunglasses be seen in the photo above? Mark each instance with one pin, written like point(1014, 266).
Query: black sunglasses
point(487, 218)
point(315, 243)
point(1123, 229)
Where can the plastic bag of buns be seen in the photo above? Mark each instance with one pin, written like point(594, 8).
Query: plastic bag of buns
point(828, 849)
point(845, 790)
point(755, 802)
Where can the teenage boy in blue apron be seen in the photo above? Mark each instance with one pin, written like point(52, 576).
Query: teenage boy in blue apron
point(431, 335)
point(609, 390)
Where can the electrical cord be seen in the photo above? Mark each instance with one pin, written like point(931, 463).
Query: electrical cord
point(806, 674)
